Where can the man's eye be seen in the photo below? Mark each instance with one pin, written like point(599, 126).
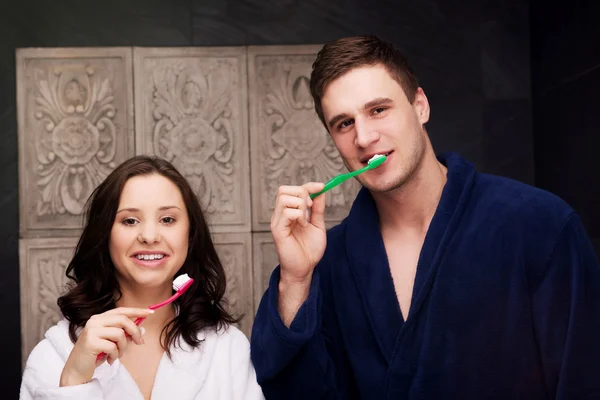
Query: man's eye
point(346, 123)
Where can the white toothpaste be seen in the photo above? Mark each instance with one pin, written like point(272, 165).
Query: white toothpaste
point(375, 157)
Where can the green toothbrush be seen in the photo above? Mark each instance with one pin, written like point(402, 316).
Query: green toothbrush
point(373, 163)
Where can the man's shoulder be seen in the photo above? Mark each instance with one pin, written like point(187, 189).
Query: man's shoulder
point(512, 198)
point(523, 216)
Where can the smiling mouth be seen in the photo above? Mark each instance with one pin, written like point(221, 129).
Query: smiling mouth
point(150, 260)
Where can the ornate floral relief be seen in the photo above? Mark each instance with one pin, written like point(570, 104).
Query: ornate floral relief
point(76, 142)
point(194, 127)
point(239, 292)
point(52, 283)
point(269, 261)
point(297, 148)
point(42, 280)
point(265, 261)
point(229, 261)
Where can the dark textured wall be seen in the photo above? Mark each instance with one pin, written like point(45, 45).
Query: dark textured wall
point(473, 58)
point(566, 105)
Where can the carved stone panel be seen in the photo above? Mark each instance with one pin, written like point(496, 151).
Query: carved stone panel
point(75, 125)
point(265, 261)
point(235, 253)
point(290, 146)
point(191, 109)
point(42, 264)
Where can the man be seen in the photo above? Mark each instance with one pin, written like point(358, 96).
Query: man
point(442, 282)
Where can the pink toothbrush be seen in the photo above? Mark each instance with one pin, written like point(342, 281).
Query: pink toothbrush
point(180, 285)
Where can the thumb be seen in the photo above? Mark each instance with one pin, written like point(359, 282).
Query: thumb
point(313, 187)
point(317, 211)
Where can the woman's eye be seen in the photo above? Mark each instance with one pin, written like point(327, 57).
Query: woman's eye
point(129, 221)
point(168, 220)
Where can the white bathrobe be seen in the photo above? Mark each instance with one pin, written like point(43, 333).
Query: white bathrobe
point(219, 369)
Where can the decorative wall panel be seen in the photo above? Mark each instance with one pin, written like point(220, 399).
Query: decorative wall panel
point(264, 262)
point(235, 253)
point(43, 280)
point(75, 125)
point(191, 109)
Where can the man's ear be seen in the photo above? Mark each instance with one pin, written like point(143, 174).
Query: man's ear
point(421, 106)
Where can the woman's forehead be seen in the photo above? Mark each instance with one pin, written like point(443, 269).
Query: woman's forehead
point(150, 191)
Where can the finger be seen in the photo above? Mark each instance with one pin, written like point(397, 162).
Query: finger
point(118, 321)
point(313, 187)
point(317, 211)
point(125, 324)
point(112, 334)
point(108, 347)
point(295, 191)
point(290, 216)
point(115, 335)
point(98, 320)
point(130, 312)
point(114, 353)
point(288, 201)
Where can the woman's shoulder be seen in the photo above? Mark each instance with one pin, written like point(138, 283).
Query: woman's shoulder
point(220, 347)
point(225, 335)
point(53, 350)
point(226, 342)
point(56, 342)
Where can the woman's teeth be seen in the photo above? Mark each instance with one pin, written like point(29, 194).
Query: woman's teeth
point(149, 256)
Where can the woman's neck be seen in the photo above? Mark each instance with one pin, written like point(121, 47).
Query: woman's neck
point(146, 298)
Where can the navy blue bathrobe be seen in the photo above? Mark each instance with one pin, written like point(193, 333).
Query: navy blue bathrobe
point(506, 305)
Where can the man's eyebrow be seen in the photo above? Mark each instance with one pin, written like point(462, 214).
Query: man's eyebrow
point(380, 101)
point(336, 119)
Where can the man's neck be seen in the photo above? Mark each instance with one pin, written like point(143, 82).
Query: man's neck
point(412, 206)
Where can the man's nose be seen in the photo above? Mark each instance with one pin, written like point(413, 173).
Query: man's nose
point(365, 134)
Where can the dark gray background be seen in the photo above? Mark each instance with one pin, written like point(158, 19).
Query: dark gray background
point(513, 85)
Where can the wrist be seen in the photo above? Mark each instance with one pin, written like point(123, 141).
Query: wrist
point(292, 294)
point(68, 378)
point(287, 281)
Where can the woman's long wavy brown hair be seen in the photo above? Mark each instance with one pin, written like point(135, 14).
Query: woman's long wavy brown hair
point(94, 288)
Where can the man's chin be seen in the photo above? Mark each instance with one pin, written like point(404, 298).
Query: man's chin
point(384, 187)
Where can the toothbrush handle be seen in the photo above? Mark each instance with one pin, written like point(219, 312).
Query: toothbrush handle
point(331, 184)
point(339, 179)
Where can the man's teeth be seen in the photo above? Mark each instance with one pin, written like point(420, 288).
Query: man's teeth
point(376, 156)
point(149, 256)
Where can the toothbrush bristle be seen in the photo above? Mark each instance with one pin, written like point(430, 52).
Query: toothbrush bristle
point(180, 281)
point(376, 160)
point(375, 157)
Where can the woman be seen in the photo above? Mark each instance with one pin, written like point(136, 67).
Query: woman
point(144, 227)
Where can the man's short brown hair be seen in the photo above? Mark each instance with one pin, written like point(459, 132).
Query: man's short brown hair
point(340, 56)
